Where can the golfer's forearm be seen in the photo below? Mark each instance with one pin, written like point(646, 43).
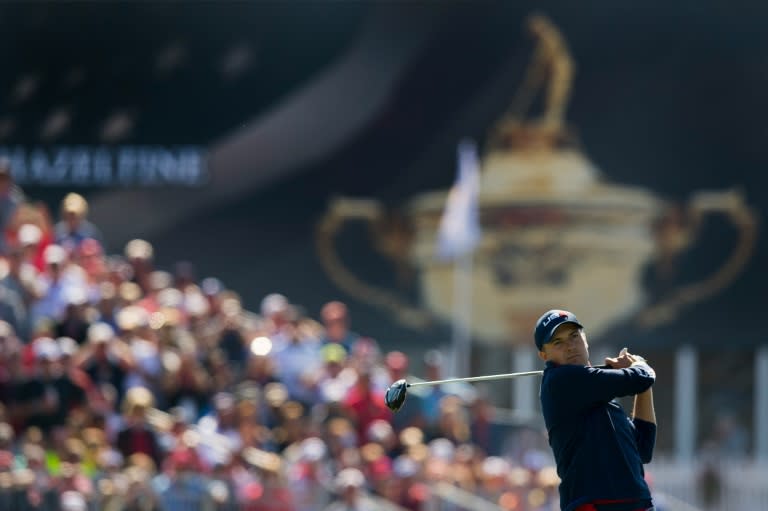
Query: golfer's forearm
point(643, 408)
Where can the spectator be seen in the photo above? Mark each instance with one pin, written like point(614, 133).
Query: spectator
point(29, 242)
point(351, 494)
point(296, 357)
point(274, 494)
point(220, 423)
point(430, 398)
point(276, 312)
point(49, 394)
point(74, 227)
point(185, 381)
point(139, 255)
point(332, 380)
point(381, 432)
point(158, 282)
point(260, 370)
point(142, 341)
point(16, 296)
point(335, 319)
point(137, 436)
point(230, 341)
point(309, 474)
point(73, 501)
point(56, 285)
point(9, 362)
point(365, 404)
point(74, 323)
point(105, 358)
point(106, 304)
point(90, 257)
point(7, 453)
point(11, 197)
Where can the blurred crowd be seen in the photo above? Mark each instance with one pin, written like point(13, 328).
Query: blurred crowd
point(124, 386)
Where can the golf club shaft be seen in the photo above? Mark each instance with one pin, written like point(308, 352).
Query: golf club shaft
point(476, 378)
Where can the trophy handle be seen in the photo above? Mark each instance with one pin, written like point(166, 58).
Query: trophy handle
point(340, 211)
point(731, 204)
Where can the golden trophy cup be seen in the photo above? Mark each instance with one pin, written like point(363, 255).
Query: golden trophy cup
point(555, 233)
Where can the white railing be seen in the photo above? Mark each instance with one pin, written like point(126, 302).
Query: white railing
point(731, 485)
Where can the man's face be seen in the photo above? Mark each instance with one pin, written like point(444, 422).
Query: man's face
point(568, 346)
point(336, 327)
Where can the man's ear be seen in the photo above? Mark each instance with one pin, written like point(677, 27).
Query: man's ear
point(543, 356)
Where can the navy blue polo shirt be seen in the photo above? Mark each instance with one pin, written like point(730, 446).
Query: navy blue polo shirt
point(599, 450)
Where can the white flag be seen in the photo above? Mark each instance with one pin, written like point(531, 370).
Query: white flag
point(459, 230)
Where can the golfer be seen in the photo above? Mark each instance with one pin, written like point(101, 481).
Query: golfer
point(599, 450)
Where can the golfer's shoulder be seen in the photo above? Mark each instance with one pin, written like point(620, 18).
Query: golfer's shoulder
point(564, 374)
point(562, 388)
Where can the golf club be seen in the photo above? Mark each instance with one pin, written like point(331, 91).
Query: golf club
point(396, 393)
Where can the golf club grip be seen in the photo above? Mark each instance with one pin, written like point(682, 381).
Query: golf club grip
point(476, 378)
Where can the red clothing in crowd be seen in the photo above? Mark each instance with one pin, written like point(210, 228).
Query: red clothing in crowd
point(366, 406)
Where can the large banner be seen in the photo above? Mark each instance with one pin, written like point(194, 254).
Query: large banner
point(106, 166)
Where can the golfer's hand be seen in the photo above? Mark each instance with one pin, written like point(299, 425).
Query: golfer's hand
point(624, 359)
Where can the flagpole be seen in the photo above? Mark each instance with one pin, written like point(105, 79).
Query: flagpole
point(462, 314)
point(458, 235)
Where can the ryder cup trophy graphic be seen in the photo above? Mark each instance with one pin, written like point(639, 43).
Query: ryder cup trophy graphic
point(553, 230)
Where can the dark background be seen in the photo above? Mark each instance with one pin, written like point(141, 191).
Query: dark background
point(669, 96)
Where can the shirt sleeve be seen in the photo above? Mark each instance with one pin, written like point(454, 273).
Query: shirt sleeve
point(582, 386)
point(645, 436)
